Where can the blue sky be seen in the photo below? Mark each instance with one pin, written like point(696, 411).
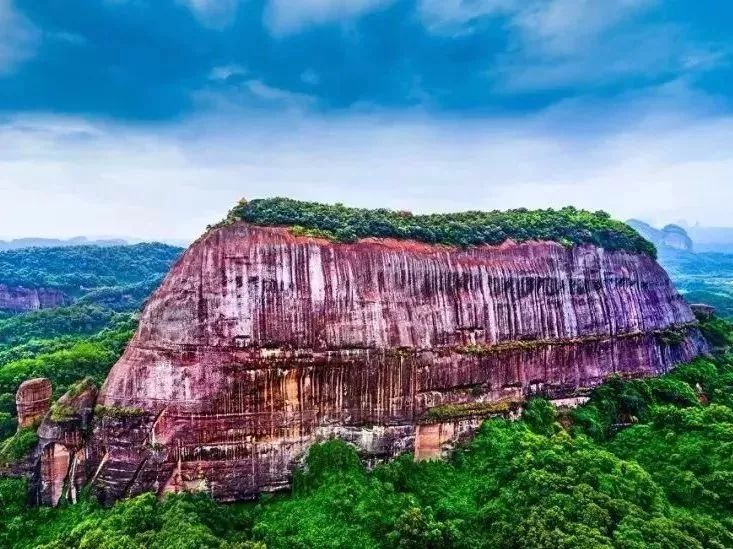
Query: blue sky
point(150, 118)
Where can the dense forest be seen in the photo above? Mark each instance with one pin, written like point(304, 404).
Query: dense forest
point(78, 270)
point(337, 222)
point(702, 277)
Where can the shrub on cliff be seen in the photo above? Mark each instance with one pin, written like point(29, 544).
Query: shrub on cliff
point(337, 222)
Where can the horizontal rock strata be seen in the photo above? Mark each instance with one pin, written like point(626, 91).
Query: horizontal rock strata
point(258, 343)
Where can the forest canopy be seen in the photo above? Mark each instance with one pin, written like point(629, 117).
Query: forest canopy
point(76, 270)
point(569, 226)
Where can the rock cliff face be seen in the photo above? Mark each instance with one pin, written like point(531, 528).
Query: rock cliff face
point(59, 468)
point(260, 342)
point(32, 401)
point(20, 299)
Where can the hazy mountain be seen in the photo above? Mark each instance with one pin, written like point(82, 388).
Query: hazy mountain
point(32, 242)
point(671, 236)
point(712, 239)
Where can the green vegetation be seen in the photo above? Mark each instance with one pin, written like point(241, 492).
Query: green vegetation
point(717, 331)
point(337, 222)
point(117, 412)
point(64, 362)
point(702, 277)
point(476, 409)
point(77, 270)
point(645, 463)
point(69, 343)
point(62, 409)
point(17, 446)
point(52, 323)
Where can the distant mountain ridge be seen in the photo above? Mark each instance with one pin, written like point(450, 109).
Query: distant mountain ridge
point(702, 270)
point(33, 242)
point(670, 236)
point(712, 239)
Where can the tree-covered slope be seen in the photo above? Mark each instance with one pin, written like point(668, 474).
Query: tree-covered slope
point(337, 222)
point(77, 270)
point(702, 277)
point(66, 344)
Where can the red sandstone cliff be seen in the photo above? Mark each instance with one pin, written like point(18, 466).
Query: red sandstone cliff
point(21, 299)
point(258, 342)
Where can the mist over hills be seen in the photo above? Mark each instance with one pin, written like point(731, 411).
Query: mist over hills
point(698, 259)
point(711, 239)
point(35, 242)
point(41, 242)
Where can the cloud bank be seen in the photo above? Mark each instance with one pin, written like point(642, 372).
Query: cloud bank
point(152, 118)
point(112, 179)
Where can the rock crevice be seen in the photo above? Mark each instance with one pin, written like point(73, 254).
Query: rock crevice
point(260, 342)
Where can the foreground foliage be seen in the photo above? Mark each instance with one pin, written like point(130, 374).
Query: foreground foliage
point(656, 471)
point(337, 222)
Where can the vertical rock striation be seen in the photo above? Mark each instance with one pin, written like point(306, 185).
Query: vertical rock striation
point(32, 401)
point(260, 342)
point(19, 299)
point(60, 465)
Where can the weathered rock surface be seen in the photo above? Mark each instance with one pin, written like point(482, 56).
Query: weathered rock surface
point(260, 342)
point(60, 469)
point(20, 299)
point(32, 401)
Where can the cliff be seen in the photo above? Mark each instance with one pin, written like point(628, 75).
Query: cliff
point(670, 237)
point(22, 299)
point(259, 342)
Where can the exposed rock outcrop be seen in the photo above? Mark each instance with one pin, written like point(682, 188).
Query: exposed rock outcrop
point(61, 454)
point(32, 401)
point(19, 299)
point(260, 342)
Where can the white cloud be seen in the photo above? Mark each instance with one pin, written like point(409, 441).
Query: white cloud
point(288, 16)
point(213, 13)
point(223, 73)
point(18, 37)
point(83, 178)
point(449, 16)
point(657, 52)
point(561, 43)
point(567, 27)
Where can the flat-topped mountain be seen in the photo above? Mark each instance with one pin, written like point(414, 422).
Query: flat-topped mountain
point(292, 322)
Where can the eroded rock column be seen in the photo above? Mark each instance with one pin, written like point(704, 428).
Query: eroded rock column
point(33, 400)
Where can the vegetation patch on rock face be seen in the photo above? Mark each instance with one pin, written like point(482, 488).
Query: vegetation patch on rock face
point(67, 408)
point(469, 409)
point(18, 446)
point(337, 222)
point(117, 412)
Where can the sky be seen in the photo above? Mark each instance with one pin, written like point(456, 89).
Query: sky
point(151, 118)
